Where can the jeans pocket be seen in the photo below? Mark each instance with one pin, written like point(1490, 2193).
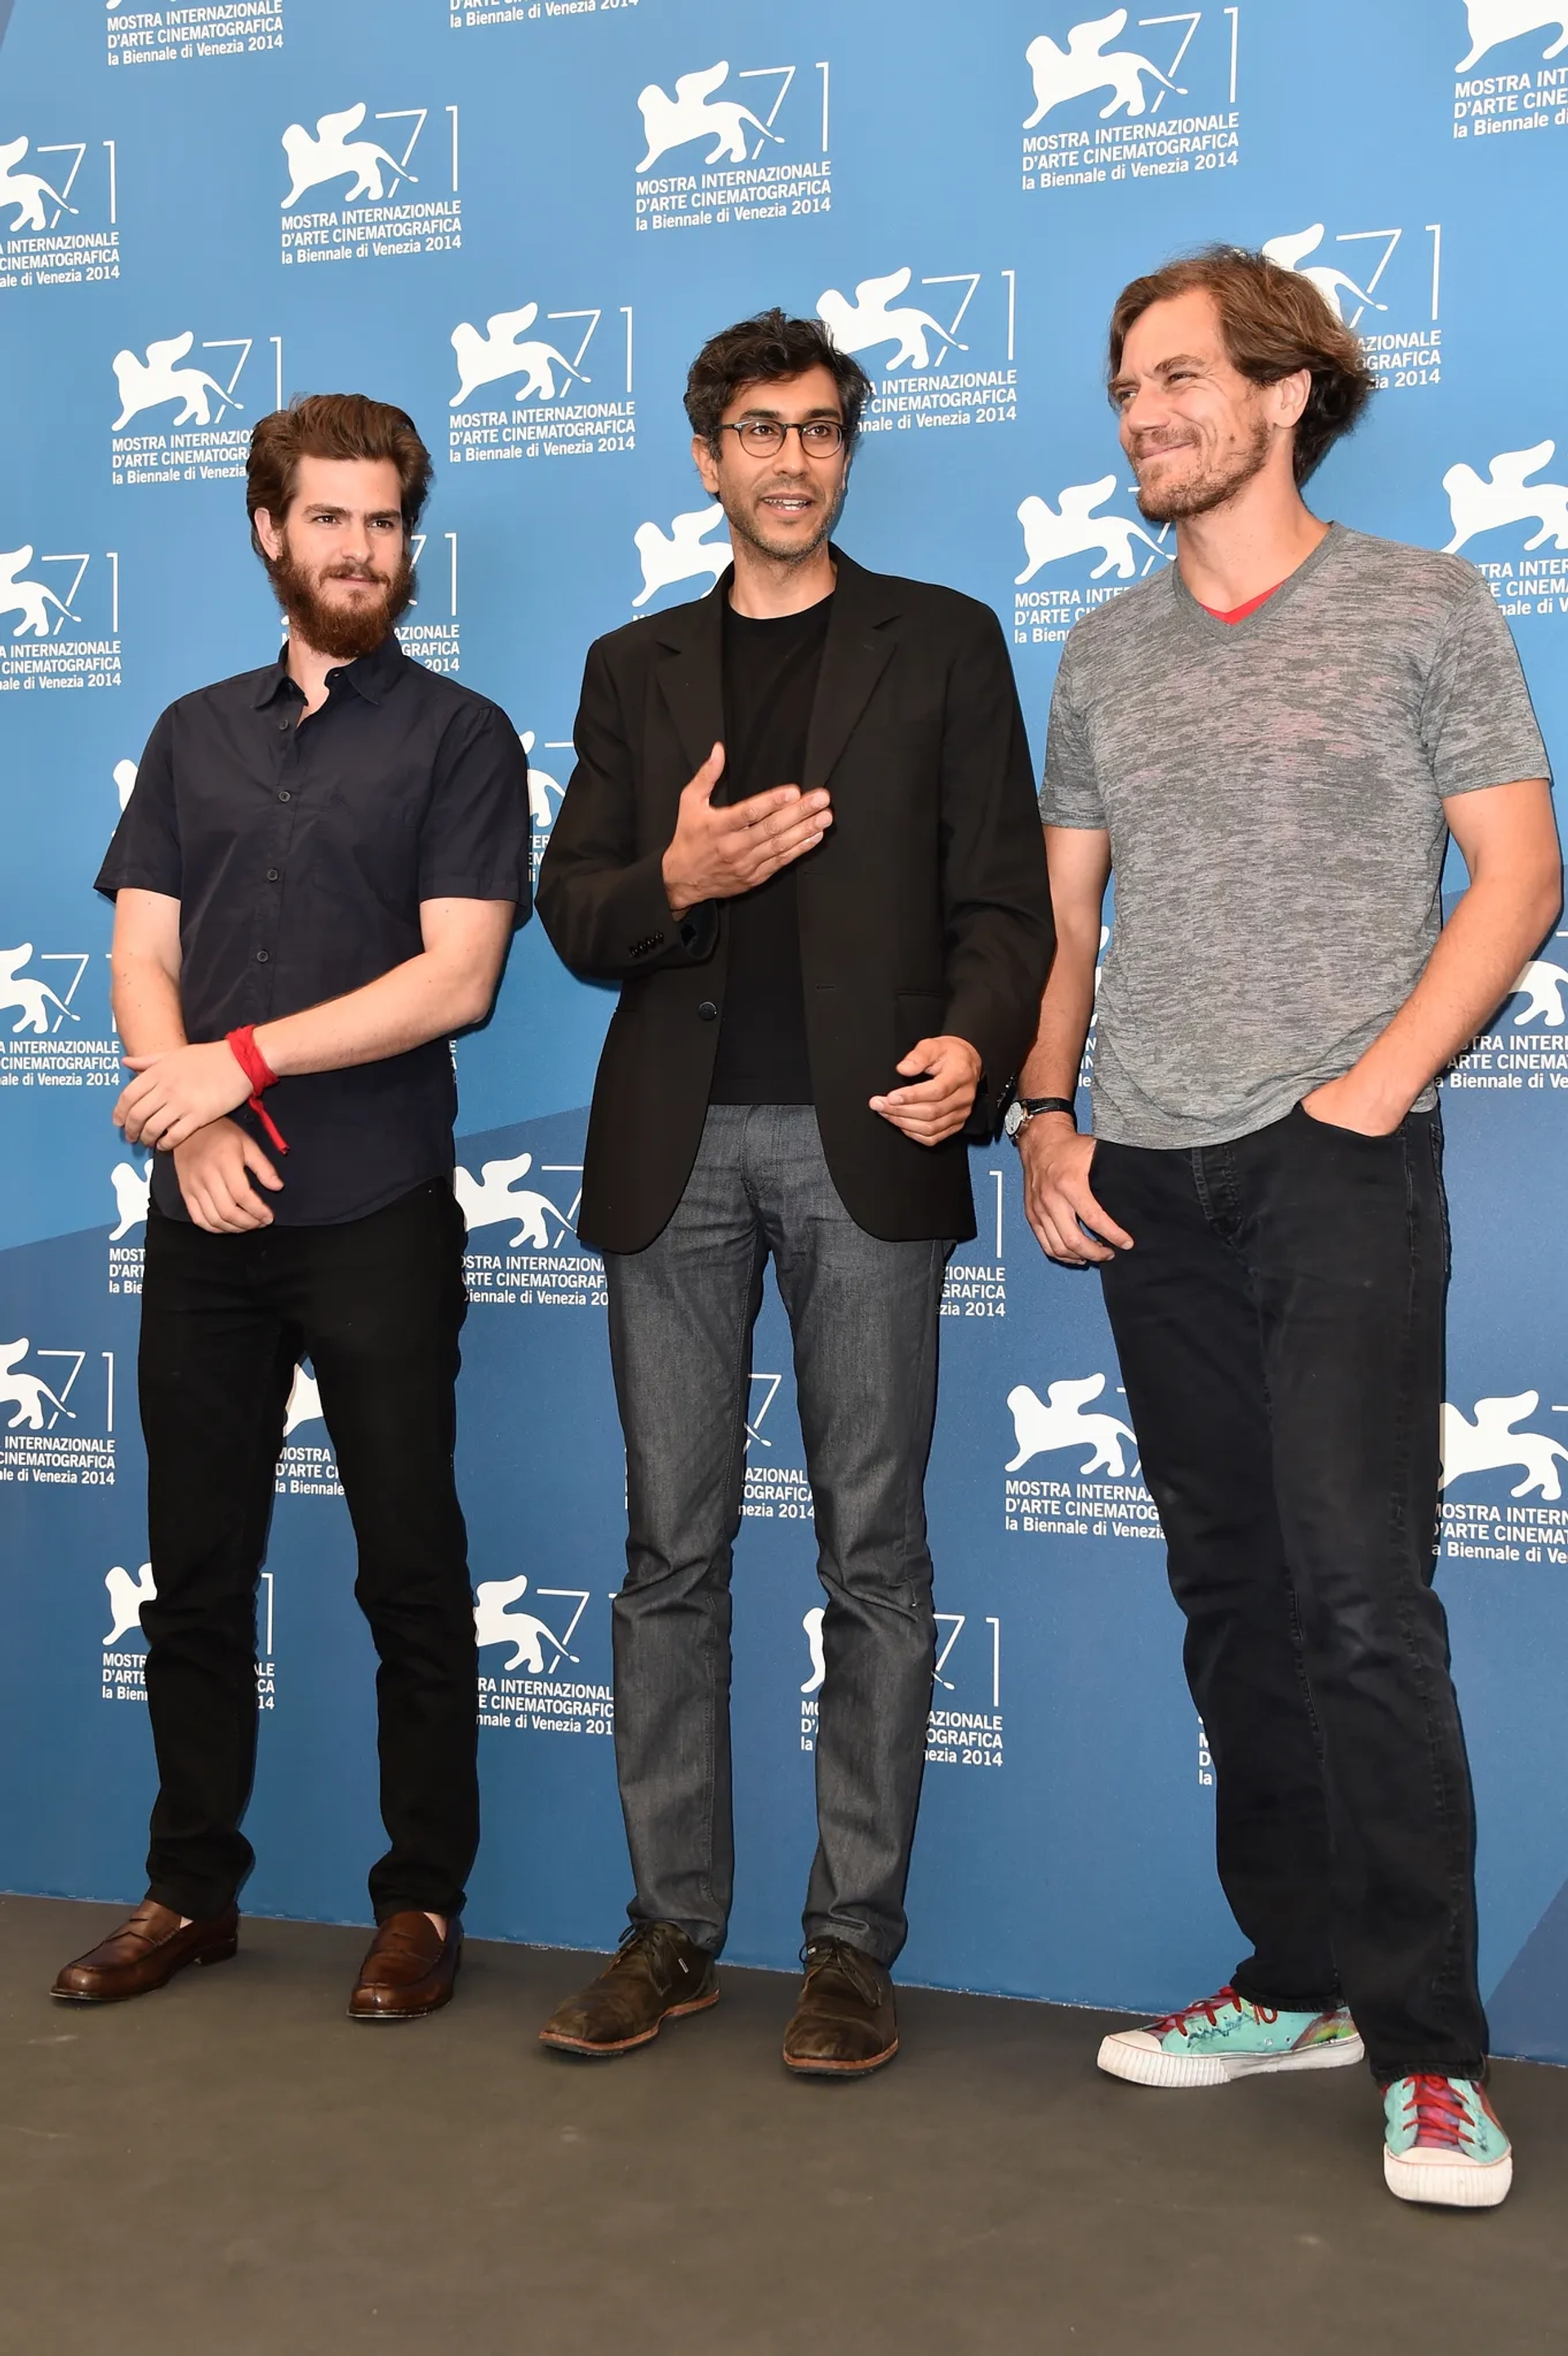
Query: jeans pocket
point(1355, 1136)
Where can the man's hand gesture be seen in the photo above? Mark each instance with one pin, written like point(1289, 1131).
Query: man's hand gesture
point(946, 1073)
point(719, 853)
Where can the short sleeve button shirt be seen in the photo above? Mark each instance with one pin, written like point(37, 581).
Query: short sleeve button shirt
point(300, 851)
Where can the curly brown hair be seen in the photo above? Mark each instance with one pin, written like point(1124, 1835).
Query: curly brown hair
point(332, 425)
point(761, 350)
point(1274, 323)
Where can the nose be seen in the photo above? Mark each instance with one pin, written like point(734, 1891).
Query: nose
point(1144, 407)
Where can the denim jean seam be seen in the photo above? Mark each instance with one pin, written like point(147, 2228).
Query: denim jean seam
point(736, 1466)
point(1445, 1979)
point(913, 1541)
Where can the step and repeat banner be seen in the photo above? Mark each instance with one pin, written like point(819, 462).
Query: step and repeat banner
point(519, 218)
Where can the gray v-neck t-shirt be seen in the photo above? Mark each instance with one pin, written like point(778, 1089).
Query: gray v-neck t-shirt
point(1274, 793)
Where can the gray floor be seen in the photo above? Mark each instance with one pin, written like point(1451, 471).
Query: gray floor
point(233, 2166)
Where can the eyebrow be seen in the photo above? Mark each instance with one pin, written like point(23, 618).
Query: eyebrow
point(756, 409)
point(372, 515)
point(1176, 360)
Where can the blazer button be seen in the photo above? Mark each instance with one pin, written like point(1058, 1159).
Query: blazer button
point(707, 1012)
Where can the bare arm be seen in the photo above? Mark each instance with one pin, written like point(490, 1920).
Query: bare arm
point(1058, 1200)
point(449, 985)
point(1508, 838)
point(144, 971)
point(215, 1168)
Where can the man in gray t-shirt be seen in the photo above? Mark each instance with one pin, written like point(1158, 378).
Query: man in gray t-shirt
point(1273, 792)
point(1270, 743)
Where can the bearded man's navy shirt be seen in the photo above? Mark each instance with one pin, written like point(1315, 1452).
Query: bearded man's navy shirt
point(299, 851)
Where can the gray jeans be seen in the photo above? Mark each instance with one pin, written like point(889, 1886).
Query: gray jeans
point(864, 1315)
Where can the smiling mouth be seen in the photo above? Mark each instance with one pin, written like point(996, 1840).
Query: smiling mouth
point(787, 503)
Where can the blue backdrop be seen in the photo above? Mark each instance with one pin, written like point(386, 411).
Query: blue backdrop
point(519, 218)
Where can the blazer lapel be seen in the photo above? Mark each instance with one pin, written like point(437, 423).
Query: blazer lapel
point(691, 679)
point(854, 658)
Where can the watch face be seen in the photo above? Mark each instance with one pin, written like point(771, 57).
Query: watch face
point(1013, 1118)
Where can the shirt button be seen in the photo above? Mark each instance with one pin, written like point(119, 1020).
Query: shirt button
point(285, 796)
point(707, 1012)
point(261, 957)
point(272, 875)
point(283, 726)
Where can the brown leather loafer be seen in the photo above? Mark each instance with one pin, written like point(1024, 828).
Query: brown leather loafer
point(845, 2023)
point(143, 1954)
point(657, 1975)
point(409, 1970)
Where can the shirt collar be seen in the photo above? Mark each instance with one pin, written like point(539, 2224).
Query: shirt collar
point(371, 676)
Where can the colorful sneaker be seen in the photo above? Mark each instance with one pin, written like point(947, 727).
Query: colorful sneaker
point(1225, 2037)
point(1443, 2141)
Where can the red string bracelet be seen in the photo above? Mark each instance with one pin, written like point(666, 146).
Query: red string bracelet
point(242, 1045)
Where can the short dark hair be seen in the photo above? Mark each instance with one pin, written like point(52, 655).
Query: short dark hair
point(1275, 322)
point(761, 350)
point(332, 425)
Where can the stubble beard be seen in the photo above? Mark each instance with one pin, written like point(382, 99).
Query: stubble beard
point(744, 522)
point(1211, 487)
point(342, 632)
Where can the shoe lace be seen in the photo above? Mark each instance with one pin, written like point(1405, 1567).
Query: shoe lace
point(1210, 2008)
point(837, 1955)
point(1437, 2110)
point(653, 1944)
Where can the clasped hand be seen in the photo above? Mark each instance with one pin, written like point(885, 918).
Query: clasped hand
point(175, 1094)
point(716, 855)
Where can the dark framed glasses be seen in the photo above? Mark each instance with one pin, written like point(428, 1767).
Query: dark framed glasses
point(821, 437)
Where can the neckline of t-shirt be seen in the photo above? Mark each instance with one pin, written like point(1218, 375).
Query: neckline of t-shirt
point(816, 612)
point(1234, 632)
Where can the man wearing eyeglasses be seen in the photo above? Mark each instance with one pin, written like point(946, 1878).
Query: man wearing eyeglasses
point(800, 837)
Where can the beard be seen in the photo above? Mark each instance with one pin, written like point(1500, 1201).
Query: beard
point(1211, 487)
point(343, 632)
point(746, 523)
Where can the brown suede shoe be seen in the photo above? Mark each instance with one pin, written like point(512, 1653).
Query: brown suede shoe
point(845, 2023)
point(658, 1975)
point(409, 1970)
point(143, 1954)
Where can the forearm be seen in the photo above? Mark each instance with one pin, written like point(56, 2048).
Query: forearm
point(1496, 926)
point(1066, 1008)
point(144, 996)
point(425, 998)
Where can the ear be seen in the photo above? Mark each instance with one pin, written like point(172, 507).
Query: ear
point(706, 465)
point(268, 533)
point(1291, 394)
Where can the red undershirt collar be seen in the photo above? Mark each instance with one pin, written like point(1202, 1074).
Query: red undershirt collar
point(1240, 613)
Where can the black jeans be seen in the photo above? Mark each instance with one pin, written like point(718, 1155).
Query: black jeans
point(377, 1303)
point(1280, 1327)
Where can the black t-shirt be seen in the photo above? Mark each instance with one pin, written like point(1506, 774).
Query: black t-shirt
point(770, 671)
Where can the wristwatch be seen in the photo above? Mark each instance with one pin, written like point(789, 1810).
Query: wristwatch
point(1024, 1110)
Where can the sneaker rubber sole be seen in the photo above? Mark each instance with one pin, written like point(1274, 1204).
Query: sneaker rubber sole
point(593, 2052)
point(1141, 2065)
point(1452, 2184)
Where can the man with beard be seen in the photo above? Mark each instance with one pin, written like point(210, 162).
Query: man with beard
point(316, 880)
point(1269, 744)
point(801, 837)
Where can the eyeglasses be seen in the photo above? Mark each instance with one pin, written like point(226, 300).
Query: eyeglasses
point(820, 437)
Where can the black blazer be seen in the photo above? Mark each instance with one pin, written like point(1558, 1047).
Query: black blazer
point(924, 908)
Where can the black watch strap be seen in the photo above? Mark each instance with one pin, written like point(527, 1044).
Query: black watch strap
point(1033, 1105)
